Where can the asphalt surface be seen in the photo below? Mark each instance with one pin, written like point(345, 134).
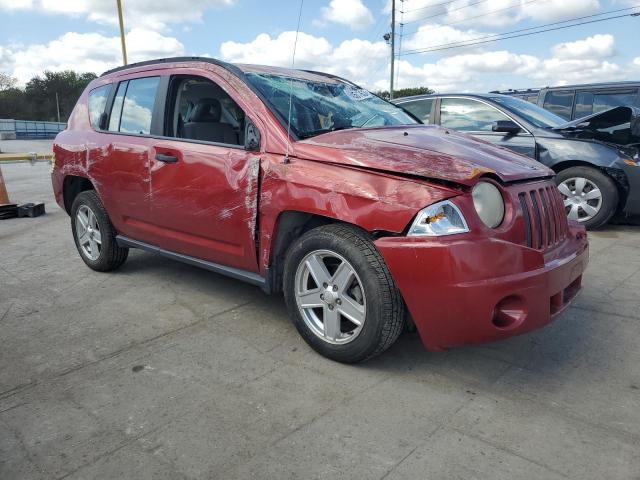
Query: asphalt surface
point(161, 370)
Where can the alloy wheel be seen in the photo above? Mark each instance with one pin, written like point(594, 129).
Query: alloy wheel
point(330, 297)
point(88, 233)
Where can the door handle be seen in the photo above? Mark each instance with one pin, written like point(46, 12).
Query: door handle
point(161, 157)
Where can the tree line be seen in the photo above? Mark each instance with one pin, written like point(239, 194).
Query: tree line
point(37, 100)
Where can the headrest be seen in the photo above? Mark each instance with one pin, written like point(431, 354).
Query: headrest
point(206, 110)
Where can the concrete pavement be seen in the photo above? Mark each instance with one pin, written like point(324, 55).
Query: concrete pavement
point(162, 370)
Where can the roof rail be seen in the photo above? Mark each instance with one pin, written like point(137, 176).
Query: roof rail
point(228, 66)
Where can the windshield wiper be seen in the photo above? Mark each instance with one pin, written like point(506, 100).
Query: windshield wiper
point(313, 133)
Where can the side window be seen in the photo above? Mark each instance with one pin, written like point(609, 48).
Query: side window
point(137, 108)
point(605, 101)
point(419, 108)
point(97, 102)
point(133, 104)
point(201, 110)
point(560, 102)
point(468, 115)
point(584, 104)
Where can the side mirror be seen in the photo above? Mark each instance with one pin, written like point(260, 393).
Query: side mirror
point(506, 126)
point(251, 137)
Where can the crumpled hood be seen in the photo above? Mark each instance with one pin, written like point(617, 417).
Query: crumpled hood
point(420, 150)
point(618, 126)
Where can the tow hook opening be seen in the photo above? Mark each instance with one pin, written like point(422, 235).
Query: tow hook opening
point(509, 312)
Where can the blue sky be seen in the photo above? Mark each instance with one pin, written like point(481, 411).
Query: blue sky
point(339, 36)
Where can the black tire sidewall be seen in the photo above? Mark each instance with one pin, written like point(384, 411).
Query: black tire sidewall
point(105, 260)
point(606, 185)
point(370, 336)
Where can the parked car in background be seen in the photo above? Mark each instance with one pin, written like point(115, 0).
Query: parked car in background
point(595, 159)
point(354, 210)
point(575, 101)
point(528, 94)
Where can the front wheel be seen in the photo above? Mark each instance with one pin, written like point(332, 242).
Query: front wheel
point(340, 294)
point(590, 196)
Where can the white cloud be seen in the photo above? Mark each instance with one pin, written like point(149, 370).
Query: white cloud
point(493, 13)
point(432, 35)
point(351, 13)
point(137, 13)
point(597, 46)
point(356, 59)
point(85, 52)
point(462, 71)
point(636, 61)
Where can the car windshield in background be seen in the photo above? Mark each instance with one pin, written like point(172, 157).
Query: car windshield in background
point(534, 114)
point(321, 107)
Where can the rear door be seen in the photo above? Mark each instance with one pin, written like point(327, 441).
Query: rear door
point(204, 183)
point(121, 166)
point(476, 118)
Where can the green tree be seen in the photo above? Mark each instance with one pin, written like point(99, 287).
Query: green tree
point(6, 81)
point(40, 93)
point(405, 92)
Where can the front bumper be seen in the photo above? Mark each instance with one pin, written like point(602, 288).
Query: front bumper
point(632, 205)
point(470, 290)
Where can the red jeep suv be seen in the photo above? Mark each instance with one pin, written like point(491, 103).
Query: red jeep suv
point(304, 183)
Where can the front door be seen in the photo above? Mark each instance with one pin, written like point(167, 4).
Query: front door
point(204, 184)
point(477, 118)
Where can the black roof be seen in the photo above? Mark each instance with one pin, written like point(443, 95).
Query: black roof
point(597, 85)
point(439, 95)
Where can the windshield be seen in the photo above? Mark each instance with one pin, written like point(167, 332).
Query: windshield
point(534, 114)
point(321, 107)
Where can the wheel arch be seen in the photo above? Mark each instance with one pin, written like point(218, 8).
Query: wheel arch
point(618, 176)
point(72, 186)
point(289, 226)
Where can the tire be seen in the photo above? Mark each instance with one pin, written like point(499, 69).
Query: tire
point(367, 292)
point(574, 182)
point(108, 255)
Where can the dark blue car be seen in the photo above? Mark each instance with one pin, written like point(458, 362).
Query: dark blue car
point(596, 158)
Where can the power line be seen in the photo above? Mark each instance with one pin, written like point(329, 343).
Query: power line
point(518, 5)
point(428, 6)
point(517, 34)
point(446, 13)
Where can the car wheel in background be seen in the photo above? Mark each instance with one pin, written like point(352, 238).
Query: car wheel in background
point(590, 196)
point(340, 294)
point(94, 234)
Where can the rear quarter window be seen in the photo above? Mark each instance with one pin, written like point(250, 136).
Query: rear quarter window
point(97, 103)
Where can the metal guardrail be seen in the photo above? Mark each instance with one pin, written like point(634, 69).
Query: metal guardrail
point(31, 128)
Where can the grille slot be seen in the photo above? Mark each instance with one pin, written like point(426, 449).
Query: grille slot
point(544, 217)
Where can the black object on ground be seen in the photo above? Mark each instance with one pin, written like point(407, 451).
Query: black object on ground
point(9, 210)
point(31, 210)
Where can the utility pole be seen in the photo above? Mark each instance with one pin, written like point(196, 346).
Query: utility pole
point(393, 46)
point(124, 45)
point(58, 107)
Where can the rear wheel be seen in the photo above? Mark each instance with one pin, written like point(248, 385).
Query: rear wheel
point(340, 294)
point(94, 234)
point(590, 196)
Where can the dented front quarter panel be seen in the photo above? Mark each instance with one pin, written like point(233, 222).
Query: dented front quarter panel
point(375, 201)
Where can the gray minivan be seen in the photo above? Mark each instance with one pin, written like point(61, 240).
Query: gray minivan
point(577, 101)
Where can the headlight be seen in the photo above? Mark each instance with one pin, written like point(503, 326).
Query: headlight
point(442, 218)
point(489, 204)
